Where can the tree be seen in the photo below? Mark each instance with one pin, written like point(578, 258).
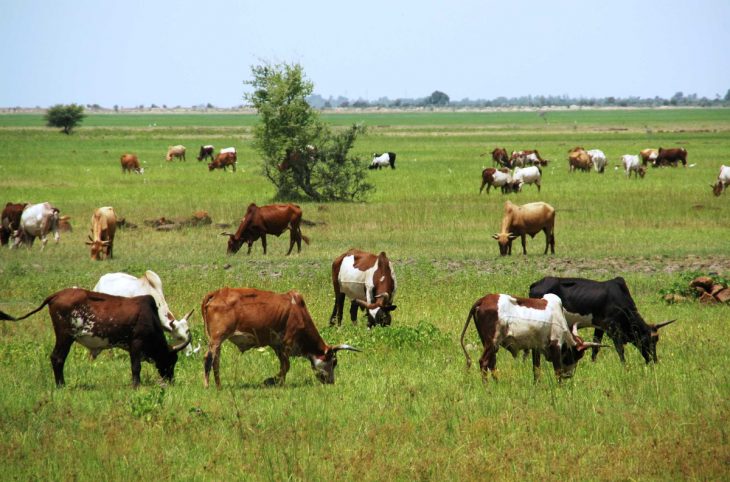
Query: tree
point(65, 116)
point(303, 156)
point(437, 98)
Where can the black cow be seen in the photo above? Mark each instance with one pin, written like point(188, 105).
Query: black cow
point(608, 307)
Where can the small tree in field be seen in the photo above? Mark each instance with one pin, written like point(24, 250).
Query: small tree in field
point(65, 116)
point(303, 156)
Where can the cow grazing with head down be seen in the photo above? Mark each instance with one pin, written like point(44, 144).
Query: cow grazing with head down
point(36, 221)
point(206, 152)
point(272, 219)
point(123, 284)
point(607, 306)
point(252, 318)
point(519, 324)
point(526, 175)
point(500, 157)
point(723, 181)
point(631, 164)
point(369, 281)
point(177, 151)
point(598, 158)
point(494, 178)
point(99, 321)
point(578, 159)
point(130, 163)
point(519, 221)
point(383, 160)
point(10, 221)
point(223, 160)
point(526, 157)
point(103, 228)
point(648, 156)
point(666, 157)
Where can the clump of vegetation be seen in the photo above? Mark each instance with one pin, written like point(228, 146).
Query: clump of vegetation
point(65, 116)
point(424, 334)
point(695, 285)
point(146, 405)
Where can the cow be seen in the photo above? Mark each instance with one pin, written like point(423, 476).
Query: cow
point(631, 164)
point(579, 159)
point(103, 227)
point(526, 175)
point(723, 181)
point(648, 156)
point(369, 281)
point(99, 321)
point(294, 156)
point(520, 324)
point(492, 177)
point(37, 220)
point(383, 160)
point(175, 151)
point(130, 163)
point(123, 284)
point(672, 157)
point(527, 219)
point(525, 157)
point(64, 224)
point(500, 157)
point(272, 219)
point(10, 221)
point(598, 158)
point(252, 318)
point(230, 150)
point(223, 160)
point(206, 152)
point(607, 306)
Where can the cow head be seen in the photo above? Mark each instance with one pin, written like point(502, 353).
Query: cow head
point(180, 331)
point(505, 242)
point(324, 365)
point(647, 343)
point(717, 188)
point(166, 363)
point(571, 355)
point(378, 313)
point(98, 248)
point(234, 244)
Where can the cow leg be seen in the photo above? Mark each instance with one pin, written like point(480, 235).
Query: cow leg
point(538, 185)
point(292, 240)
point(250, 243)
point(597, 337)
point(135, 357)
point(488, 361)
point(58, 358)
point(212, 359)
point(536, 364)
point(554, 352)
point(283, 367)
point(263, 243)
point(337, 309)
point(353, 312)
point(524, 244)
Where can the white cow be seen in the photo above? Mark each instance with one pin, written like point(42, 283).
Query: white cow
point(723, 181)
point(502, 180)
point(526, 175)
point(37, 220)
point(632, 163)
point(123, 284)
point(599, 160)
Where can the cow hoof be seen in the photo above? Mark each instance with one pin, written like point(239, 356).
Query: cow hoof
point(271, 382)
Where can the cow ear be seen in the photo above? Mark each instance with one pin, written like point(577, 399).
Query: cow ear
point(495, 236)
point(390, 307)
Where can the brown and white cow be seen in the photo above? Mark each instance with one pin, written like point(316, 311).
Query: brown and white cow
point(271, 219)
point(103, 227)
point(723, 181)
point(648, 156)
point(177, 151)
point(223, 160)
point(99, 321)
point(527, 219)
point(518, 324)
point(252, 318)
point(130, 163)
point(666, 157)
point(206, 152)
point(37, 220)
point(526, 157)
point(10, 221)
point(369, 281)
point(494, 178)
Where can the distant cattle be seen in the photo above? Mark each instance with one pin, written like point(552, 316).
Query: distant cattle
point(99, 321)
point(383, 160)
point(37, 221)
point(666, 157)
point(103, 228)
point(10, 221)
point(175, 151)
point(206, 152)
point(648, 156)
point(223, 160)
point(500, 157)
point(631, 164)
point(294, 157)
point(251, 318)
point(598, 158)
point(526, 157)
point(130, 163)
point(526, 175)
point(497, 178)
point(578, 159)
point(519, 221)
point(369, 281)
point(723, 181)
point(272, 219)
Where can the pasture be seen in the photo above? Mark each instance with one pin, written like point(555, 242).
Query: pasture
point(405, 408)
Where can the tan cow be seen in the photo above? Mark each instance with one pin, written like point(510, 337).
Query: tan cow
point(648, 156)
point(175, 151)
point(103, 227)
point(578, 158)
point(527, 219)
point(130, 163)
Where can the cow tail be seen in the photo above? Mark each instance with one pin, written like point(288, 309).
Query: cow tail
point(305, 238)
point(204, 312)
point(5, 316)
point(463, 332)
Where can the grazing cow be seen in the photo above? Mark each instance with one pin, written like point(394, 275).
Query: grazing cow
point(123, 284)
point(598, 158)
point(631, 164)
point(99, 321)
point(37, 220)
point(527, 219)
point(103, 227)
point(206, 152)
point(671, 157)
point(293, 157)
point(223, 160)
point(606, 305)
point(524, 324)
point(492, 177)
point(231, 150)
point(383, 160)
point(272, 219)
point(523, 158)
point(64, 224)
point(10, 221)
point(252, 318)
point(723, 181)
point(130, 163)
point(175, 151)
point(500, 157)
point(526, 175)
point(369, 281)
point(648, 156)
point(579, 159)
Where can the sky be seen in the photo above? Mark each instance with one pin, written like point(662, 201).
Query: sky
point(180, 52)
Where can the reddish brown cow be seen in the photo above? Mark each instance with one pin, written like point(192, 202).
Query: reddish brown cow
point(103, 227)
point(223, 160)
point(500, 157)
point(130, 163)
point(10, 218)
point(672, 157)
point(294, 157)
point(252, 318)
point(272, 219)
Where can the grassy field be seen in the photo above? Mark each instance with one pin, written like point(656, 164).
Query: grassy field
point(405, 408)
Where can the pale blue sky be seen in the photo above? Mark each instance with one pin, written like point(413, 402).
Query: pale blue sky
point(180, 52)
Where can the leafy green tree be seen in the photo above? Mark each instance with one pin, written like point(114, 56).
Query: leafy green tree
point(437, 98)
point(65, 116)
point(303, 156)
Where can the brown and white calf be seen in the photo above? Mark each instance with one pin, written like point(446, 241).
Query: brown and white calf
point(99, 321)
point(251, 318)
point(369, 281)
point(723, 181)
point(103, 227)
point(519, 324)
point(494, 178)
point(130, 163)
point(223, 160)
point(519, 221)
point(175, 151)
point(648, 156)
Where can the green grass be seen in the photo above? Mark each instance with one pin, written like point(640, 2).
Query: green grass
point(405, 408)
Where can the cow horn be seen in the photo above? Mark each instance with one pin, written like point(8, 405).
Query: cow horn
point(588, 344)
point(385, 296)
point(345, 347)
point(362, 303)
point(227, 234)
point(495, 236)
point(177, 348)
point(663, 324)
point(187, 317)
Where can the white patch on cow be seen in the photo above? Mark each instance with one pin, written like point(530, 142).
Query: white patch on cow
point(244, 340)
point(582, 321)
point(293, 301)
point(382, 278)
point(94, 343)
point(524, 328)
point(354, 283)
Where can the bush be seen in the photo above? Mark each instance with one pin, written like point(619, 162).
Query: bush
point(65, 116)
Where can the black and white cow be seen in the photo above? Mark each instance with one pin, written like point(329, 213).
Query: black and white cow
point(383, 160)
point(608, 307)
